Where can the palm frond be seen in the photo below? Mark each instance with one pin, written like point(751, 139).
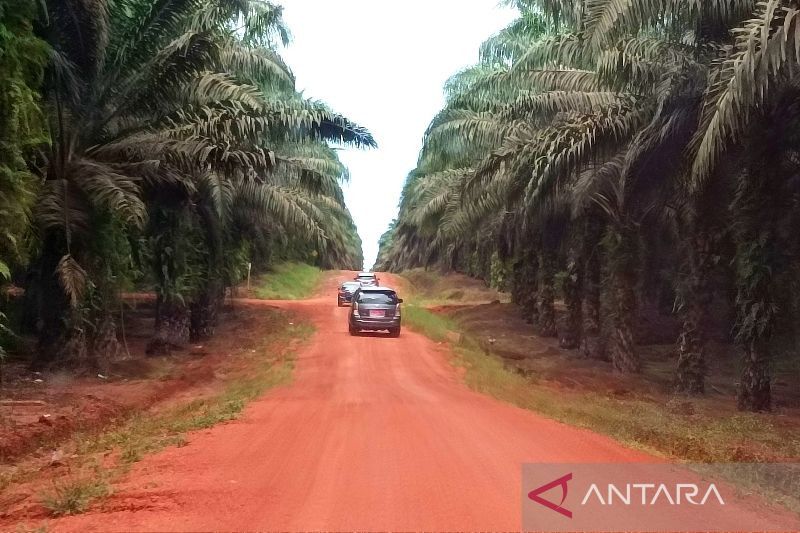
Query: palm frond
point(743, 79)
point(73, 279)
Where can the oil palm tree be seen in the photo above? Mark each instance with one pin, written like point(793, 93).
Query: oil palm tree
point(753, 85)
point(21, 131)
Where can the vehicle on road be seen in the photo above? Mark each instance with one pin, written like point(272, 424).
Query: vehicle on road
point(346, 291)
point(367, 279)
point(375, 309)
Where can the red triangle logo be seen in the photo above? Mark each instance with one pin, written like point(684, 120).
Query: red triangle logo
point(536, 495)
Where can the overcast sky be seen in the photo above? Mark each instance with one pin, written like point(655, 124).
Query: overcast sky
point(383, 64)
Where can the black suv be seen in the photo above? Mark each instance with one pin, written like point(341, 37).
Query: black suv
point(375, 309)
point(346, 291)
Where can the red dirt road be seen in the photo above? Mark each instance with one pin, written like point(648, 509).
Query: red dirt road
point(373, 434)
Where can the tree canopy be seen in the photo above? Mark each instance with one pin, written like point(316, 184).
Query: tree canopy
point(162, 142)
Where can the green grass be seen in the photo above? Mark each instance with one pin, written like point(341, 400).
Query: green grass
point(430, 324)
point(74, 494)
point(431, 288)
point(149, 432)
point(288, 281)
point(645, 425)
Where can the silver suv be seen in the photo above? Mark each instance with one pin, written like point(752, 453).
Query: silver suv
point(367, 279)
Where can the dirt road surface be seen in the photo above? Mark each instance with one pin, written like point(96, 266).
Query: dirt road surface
point(373, 434)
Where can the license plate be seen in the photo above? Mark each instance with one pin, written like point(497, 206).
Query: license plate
point(377, 313)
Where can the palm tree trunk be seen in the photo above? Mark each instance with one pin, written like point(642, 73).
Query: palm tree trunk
point(570, 337)
point(205, 308)
point(622, 250)
point(172, 327)
point(532, 292)
point(49, 304)
point(754, 388)
point(623, 347)
point(172, 315)
point(793, 306)
point(757, 257)
point(593, 344)
point(546, 307)
point(691, 371)
point(205, 312)
point(526, 289)
point(517, 282)
point(105, 345)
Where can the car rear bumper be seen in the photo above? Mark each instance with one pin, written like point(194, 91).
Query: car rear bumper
point(375, 323)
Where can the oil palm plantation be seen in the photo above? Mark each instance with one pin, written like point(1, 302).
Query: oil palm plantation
point(627, 123)
point(172, 123)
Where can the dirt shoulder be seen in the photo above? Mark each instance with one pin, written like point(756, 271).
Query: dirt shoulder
point(37, 410)
point(503, 357)
point(58, 431)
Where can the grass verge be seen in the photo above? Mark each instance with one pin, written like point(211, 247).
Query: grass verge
point(434, 326)
point(431, 288)
point(288, 281)
point(149, 432)
point(73, 495)
point(653, 427)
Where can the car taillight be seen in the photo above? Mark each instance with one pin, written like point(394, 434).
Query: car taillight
point(355, 309)
point(397, 310)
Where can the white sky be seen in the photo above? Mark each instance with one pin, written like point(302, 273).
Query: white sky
point(383, 64)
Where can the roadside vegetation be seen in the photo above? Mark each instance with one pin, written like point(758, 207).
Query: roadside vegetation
point(74, 496)
point(703, 430)
point(158, 146)
point(638, 160)
point(288, 281)
point(143, 433)
point(430, 288)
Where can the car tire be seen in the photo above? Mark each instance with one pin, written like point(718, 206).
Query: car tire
point(353, 331)
point(394, 333)
point(338, 303)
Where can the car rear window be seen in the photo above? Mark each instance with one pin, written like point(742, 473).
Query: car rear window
point(377, 298)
